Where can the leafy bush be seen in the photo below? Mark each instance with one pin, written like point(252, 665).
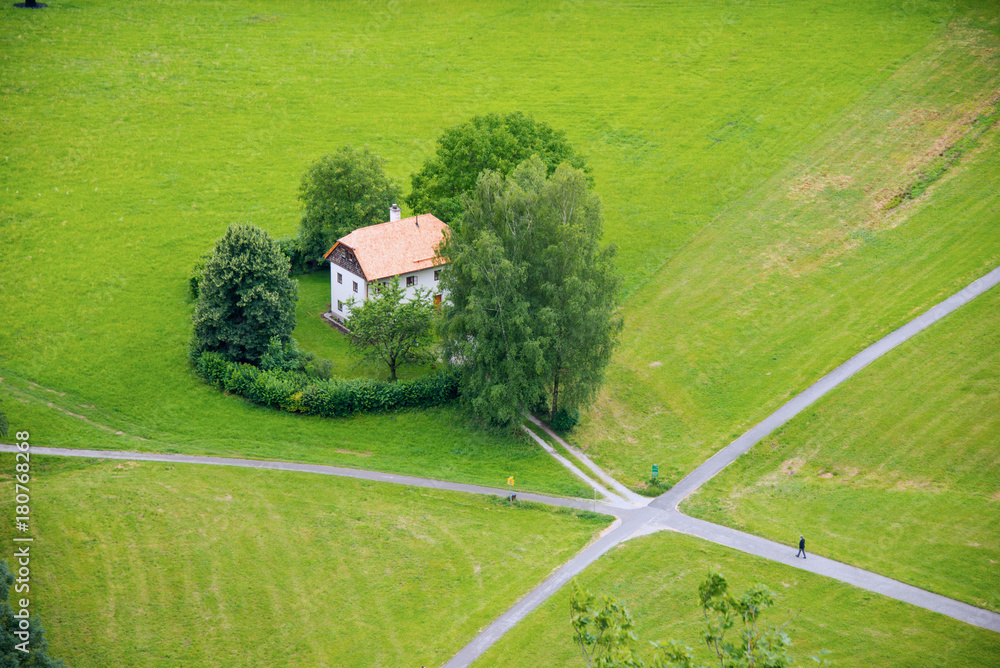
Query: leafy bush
point(295, 391)
point(564, 419)
point(240, 379)
point(287, 357)
point(317, 367)
point(282, 356)
point(292, 248)
point(214, 368)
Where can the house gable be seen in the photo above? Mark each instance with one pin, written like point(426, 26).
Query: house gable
point(343, 256)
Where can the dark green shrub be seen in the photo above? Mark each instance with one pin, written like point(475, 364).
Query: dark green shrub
point(241, 378)
point(274, 388)
point(329, 399)
point(318, 368)
point(369, 396)
point(246, 296)
point(282, 356)
point(297, 263)
point(564, 419)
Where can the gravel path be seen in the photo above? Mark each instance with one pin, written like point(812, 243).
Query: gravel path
point(359, 474)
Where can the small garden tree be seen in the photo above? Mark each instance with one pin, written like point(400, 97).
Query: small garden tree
point(342, 192)
point(604, 632)
point(387, 328)
point(495, 142)
point(246, 297)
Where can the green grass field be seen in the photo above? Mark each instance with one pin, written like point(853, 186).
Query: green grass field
point(143, 564)
point(657, 578)
point(894, 471)
point(806, 268)
point(744, 153)
point(135, 133)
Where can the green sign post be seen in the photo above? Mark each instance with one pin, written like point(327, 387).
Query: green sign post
point(656, 471)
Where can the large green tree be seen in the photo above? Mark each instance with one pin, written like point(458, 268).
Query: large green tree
point(246, 296)
point(493, 141)
point(341, 192)
point(578, 289)
point(532, 294)
point(391, 329)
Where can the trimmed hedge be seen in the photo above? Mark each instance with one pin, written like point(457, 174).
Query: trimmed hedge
point(298, 393)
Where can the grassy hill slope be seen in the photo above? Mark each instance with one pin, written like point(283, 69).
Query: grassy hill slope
point(895, 471)
point(810, 267)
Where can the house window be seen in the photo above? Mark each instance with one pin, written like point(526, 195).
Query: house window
point(340, 277)
point(437, 275)
point(411, 281)
point(355, 286)
point(340, 305)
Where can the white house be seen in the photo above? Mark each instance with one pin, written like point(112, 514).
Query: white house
point(405, 248)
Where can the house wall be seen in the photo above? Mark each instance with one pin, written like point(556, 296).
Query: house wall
point(343, 291)
point(425, 280)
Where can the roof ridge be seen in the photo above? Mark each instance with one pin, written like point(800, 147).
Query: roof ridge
point(403, 248)
point(393, 222)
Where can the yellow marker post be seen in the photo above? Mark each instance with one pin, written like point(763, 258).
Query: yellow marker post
point(510, 483)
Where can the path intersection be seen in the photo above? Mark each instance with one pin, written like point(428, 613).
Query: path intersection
point(638, 516)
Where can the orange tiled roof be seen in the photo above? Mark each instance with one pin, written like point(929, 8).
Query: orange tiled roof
point(397, 247)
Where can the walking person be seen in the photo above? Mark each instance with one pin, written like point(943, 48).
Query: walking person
point(802, 547)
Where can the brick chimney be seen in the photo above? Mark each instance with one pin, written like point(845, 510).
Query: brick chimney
point(394, 212)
